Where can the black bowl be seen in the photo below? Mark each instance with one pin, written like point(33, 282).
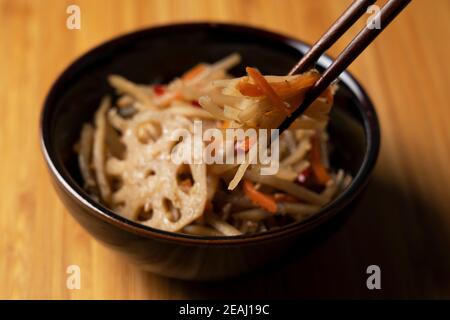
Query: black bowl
point(158, 55)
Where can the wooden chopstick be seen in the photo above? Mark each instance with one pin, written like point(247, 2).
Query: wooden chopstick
point(389, 11)
point(337, 29)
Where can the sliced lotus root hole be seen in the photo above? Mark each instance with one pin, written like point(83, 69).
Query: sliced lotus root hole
point(185, 180)
point(144, 213)
point(115, 146)
point(172, 213)
point(148, 132)
point(150, 173)
point(115, 183)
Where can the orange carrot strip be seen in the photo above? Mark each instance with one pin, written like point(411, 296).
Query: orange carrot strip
point(249, 89)
point(264, 86)
point(328, 94)
point(225, 124)
point(263, 200)
point(192, 73)
point(286, 88)
point(245, 144)
point(299, 85)
point(297, 100)
point(320, 172)
point(283, 197)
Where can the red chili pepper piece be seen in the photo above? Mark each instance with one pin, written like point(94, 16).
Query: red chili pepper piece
point(159, 89)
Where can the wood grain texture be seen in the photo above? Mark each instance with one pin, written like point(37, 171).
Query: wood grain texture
point(402, 223)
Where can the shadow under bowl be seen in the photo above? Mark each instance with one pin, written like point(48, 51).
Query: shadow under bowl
point(157, 55)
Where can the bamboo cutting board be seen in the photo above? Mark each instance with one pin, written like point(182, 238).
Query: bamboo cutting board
point(402, 223)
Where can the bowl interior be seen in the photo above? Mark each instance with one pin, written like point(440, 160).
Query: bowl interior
point(158, 55)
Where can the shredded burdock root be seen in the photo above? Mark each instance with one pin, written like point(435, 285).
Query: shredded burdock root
point(125, 159)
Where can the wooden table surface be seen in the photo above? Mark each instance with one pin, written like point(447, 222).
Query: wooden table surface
point(402, 223)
